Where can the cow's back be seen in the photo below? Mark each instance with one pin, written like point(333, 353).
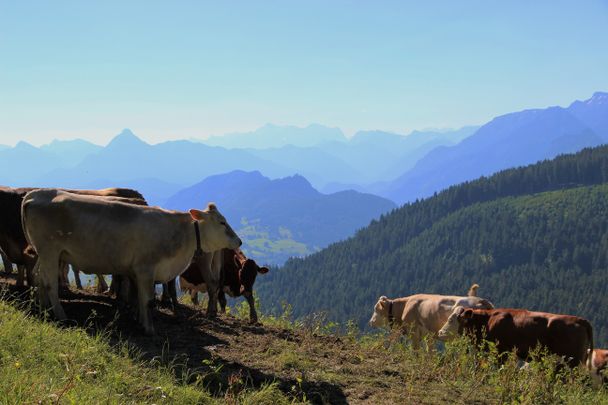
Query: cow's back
point(564, 335)
point(429, 310)
point(97, 235)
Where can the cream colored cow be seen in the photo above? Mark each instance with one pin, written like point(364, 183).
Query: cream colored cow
point(147, 244)
point(421, 314)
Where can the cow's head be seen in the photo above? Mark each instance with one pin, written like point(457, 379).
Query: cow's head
point(456, 323)
point(379, 318)
point(216, 233)
point(249, 269)
point(598, 366)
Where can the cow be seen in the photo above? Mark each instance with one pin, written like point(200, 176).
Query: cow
point(238, 274)
point(420, 314)
point(102, 286)
point(146, 244)
point(12, 238)
point(598, 365)
point(522, 330)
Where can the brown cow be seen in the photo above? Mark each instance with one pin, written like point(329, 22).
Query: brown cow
point(522, 330)
point(238, 274)
point(599, 366)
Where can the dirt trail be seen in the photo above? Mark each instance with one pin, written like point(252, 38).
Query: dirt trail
point(230, 351)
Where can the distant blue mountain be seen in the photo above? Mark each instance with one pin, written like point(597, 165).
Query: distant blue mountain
point(382, 156)
point(276, 136)
point(283, 217)
point(129, 160)
point(24, 163)
point(593, 113)
point(71, 152)
point(314, 163)
point(507, 141)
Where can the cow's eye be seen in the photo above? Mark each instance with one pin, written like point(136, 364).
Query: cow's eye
point(223, 223)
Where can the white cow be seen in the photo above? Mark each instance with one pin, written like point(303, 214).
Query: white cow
point(147, 244)
point(421, 314)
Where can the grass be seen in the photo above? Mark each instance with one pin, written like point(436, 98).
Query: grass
point(458, 373)
point(310, 360)
point(42, 363)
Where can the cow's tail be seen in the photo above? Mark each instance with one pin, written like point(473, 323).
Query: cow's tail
point(473, 290)
point(589, 362)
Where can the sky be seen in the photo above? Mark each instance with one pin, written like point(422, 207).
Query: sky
point(191, 69)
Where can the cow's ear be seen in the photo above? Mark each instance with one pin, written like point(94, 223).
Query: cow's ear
point(211, 207)
point(197, 214)
point(468, 313)
point(263, 270)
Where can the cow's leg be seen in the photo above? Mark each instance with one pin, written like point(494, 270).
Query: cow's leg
point(212, 291)
point(210, 265)
point(113, 285)
point(20, 275)
point(77, 278)
point(165, 297)
point(253, 315)
point(221, 297)
point(194, 297)
point(416, 336)
point(48, 277)
point(64, 284)
point(145, 295)
point(102, 286)
point(8, 266)
point(172, 290)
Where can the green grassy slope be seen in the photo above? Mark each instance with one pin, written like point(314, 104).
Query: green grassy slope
point(41, 363)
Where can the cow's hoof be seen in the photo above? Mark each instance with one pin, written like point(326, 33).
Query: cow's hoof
point(149, 331)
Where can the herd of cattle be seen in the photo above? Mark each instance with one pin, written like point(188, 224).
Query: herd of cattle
point(114, 231)
point(511, 330)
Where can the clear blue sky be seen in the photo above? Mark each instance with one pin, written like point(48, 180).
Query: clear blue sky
point(179, 69)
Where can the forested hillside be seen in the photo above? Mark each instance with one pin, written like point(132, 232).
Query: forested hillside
point(533, 237)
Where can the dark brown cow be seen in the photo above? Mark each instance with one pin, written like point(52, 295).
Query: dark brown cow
point(599, 366)
point(238, 274)
point(12, 238)
point(522, 330)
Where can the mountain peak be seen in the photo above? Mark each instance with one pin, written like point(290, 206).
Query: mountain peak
point(24, 145)
point(599, 97)
point(126, 139)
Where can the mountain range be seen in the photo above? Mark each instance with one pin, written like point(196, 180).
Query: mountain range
point(284, 217)
point(400, 168)
point(507, 141)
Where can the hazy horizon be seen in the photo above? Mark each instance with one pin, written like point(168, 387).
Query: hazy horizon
point(195, 69)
